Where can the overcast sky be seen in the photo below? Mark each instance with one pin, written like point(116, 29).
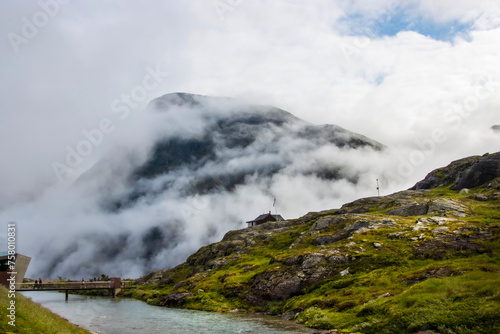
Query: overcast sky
point(391, 70)
point(420, 76)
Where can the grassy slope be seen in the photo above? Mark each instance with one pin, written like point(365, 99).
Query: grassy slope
point(32, 318)
point(392, 289)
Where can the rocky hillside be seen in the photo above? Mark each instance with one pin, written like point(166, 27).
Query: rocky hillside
point(422, 259)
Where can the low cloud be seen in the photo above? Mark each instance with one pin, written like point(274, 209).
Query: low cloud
point(112, 221)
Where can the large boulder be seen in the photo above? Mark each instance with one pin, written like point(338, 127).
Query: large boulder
point(412, 209)
point(469, 172)
point(484, 170)
point(213, 251)
point(447, 207)
point(274, 286)
point(174, 299)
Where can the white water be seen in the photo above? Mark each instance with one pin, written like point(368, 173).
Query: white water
point(105, 315)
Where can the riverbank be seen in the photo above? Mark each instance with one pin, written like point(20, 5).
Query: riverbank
point(31, 318)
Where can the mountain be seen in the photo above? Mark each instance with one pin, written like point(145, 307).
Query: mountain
point(237, 144)
point(424, 259)
point(185, 171)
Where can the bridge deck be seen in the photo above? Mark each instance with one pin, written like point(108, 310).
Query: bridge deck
point(114, 286)
point(58, 289)
point(71, 286)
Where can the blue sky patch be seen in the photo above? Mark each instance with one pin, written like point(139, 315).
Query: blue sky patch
point(391, 22)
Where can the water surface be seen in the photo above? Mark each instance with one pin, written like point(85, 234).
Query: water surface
point(105, 315)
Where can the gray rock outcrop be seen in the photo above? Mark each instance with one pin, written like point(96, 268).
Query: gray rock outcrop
point(485, 169)
point(469, 173)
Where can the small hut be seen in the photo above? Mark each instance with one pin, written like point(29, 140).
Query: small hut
point(264, 218)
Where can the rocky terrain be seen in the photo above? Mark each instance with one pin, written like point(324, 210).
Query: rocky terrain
point(424, 259)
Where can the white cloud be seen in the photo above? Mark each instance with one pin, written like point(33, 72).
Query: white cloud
point(480, 11)
point(396, 90)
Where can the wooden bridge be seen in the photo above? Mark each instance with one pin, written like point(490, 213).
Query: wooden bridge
point(114, 286)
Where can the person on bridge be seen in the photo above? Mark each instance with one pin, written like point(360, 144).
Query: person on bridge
point(36, 284)
point(39, 283)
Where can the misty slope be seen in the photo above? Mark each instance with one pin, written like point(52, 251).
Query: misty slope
point(416, 260)
point(197, 167)
point(238, 144)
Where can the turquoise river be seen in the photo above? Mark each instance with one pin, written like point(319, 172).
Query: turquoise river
point(105, 315)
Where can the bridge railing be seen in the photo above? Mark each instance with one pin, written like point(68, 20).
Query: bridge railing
point(128, 284)
point(64, 285)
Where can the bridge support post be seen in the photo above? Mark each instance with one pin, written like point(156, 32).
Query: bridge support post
point(116, 283)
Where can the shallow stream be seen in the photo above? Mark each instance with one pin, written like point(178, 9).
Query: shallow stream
point(105, 315)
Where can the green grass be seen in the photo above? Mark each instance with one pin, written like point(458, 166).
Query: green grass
point(467, 303)
point(32, 318)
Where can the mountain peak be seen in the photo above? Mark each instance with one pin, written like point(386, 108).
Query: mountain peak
point(239, 129)
point(216, 104)
point(167, 101)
